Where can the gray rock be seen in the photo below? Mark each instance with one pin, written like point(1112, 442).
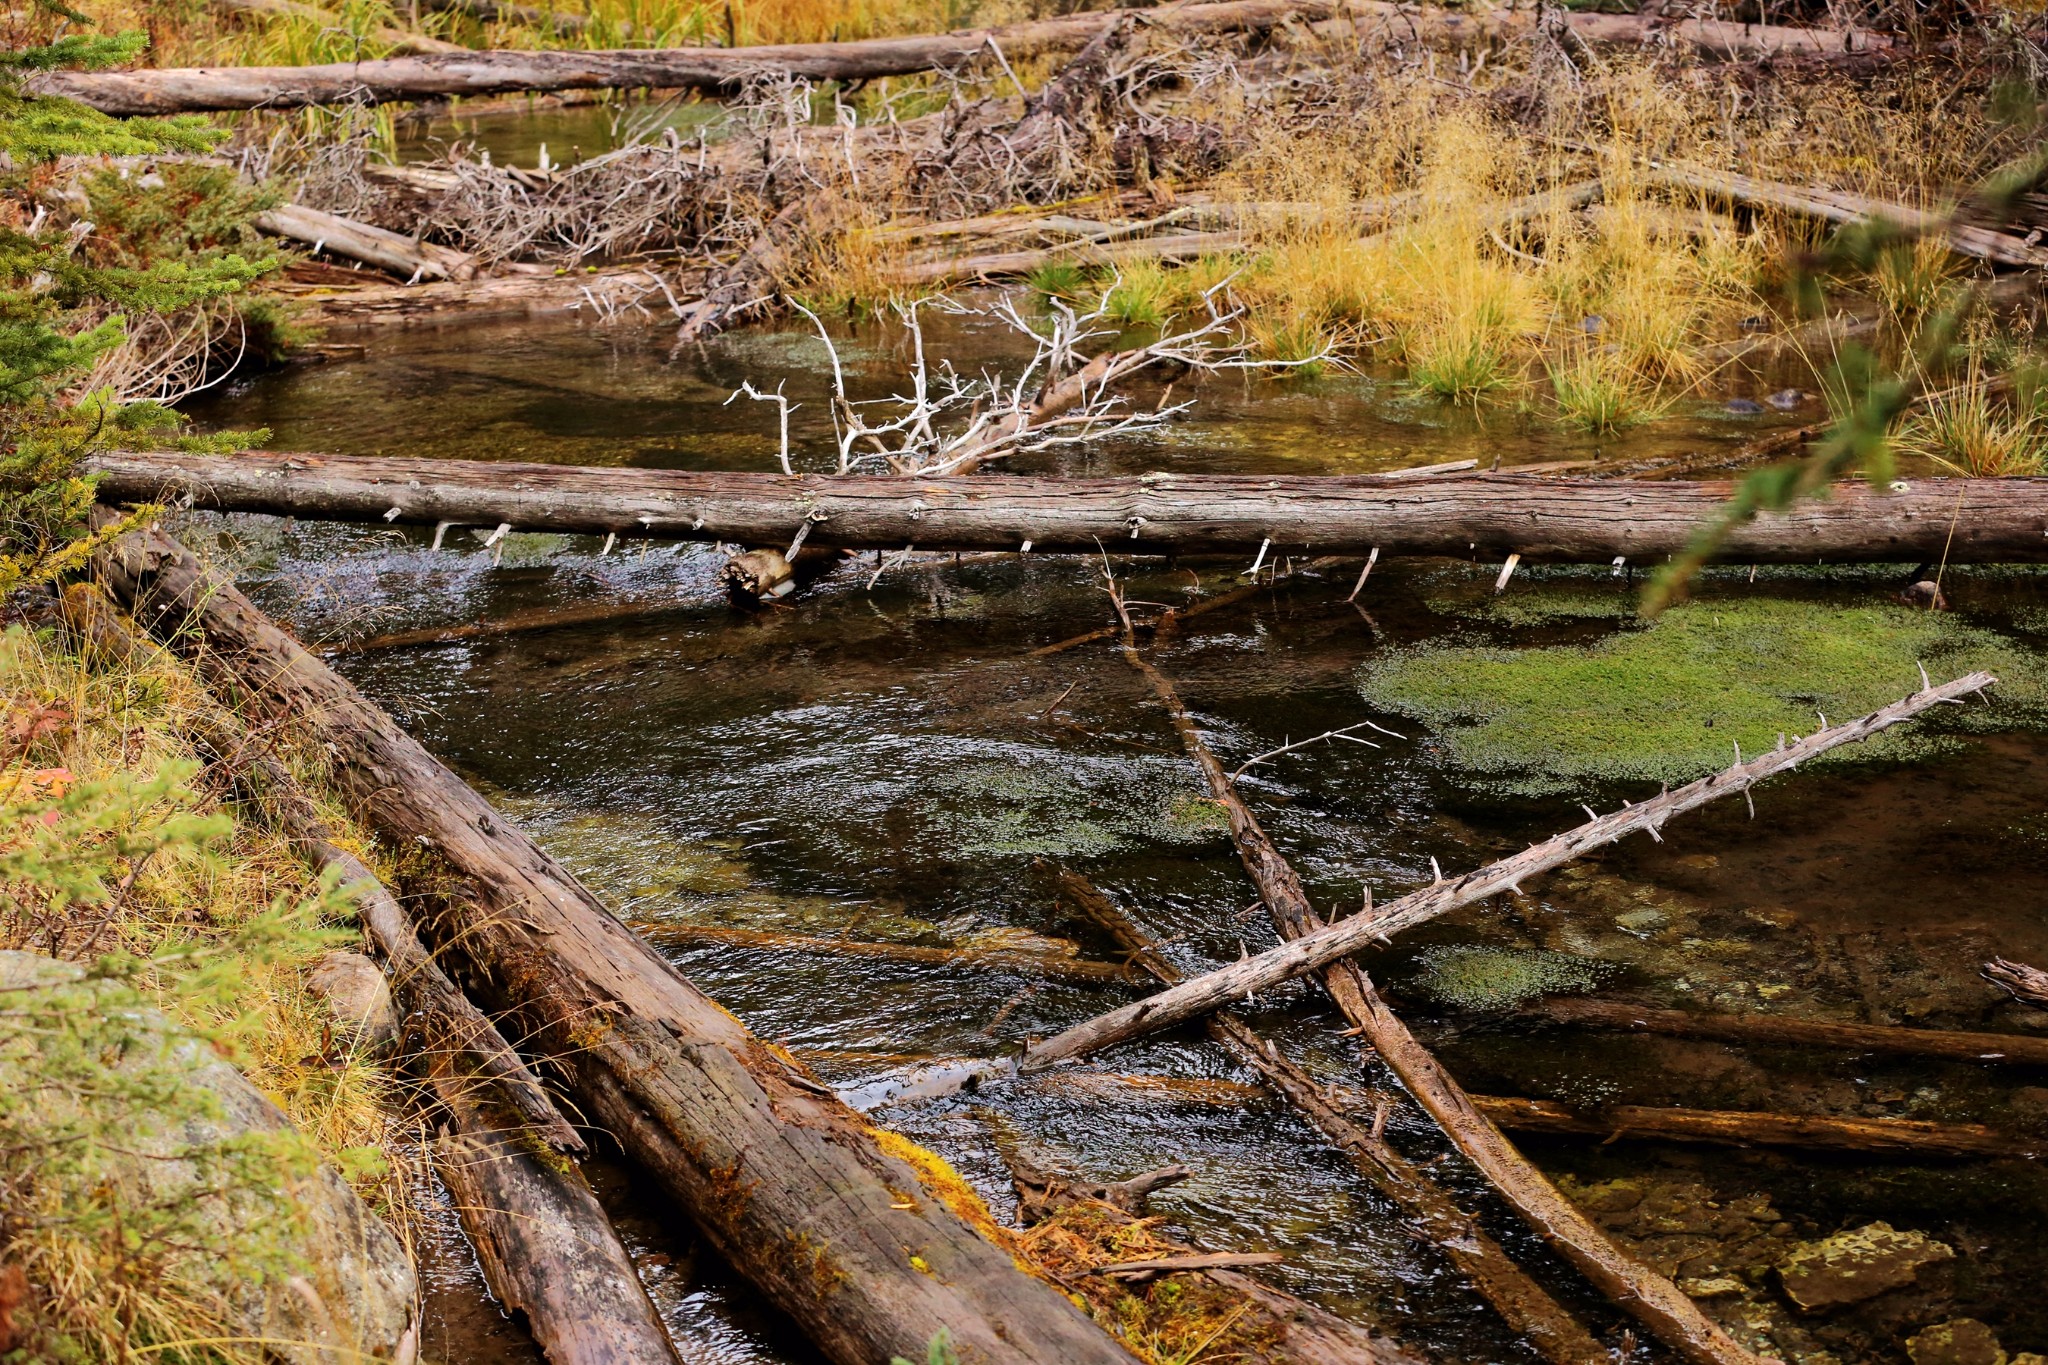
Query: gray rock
point(1785, 400)
point(1960, 1341)
point(1743, 407)
point(356, 994)
point(351, 1296)
point(1860, 1264)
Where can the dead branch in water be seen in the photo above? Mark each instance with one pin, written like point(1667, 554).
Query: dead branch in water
point(2028, 985)
point(1892, 1137)
point(1634, 1287)
point(1342, 938)
point(1014, 960)
point(1521, 1302)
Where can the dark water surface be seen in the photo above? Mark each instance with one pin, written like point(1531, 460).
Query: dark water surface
point(890, 763)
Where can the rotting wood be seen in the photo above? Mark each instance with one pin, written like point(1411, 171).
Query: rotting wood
point(1770, 1030)
point(393, 251)
point(2028, 985)
point(378, 303)
point(545, 1244)
point(1836, 206)
point(1555, 520)
point(786, 1182)
point(1265, 970)
point(1896, 1137)
point(439, 76)
point(1635, 1288)
point(1522, 1303)
point(1020, 961)
point(1301, 1333)
point(396, 40)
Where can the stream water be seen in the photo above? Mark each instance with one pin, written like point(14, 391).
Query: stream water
point(889, 762)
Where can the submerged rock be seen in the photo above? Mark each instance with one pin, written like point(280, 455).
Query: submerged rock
point(1860, 1264)
point(1961, 1341)
point(355, 993)
point(288, 1254)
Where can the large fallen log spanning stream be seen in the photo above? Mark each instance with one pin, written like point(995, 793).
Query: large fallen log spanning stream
point(441, 75)
point(784, 1180)
point(1541, 519)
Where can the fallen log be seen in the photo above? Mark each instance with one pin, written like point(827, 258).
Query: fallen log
point(1891, 1137)
point(1340, 939)
point(789, 1185)
point(1542, 519)
point(545, 1244)
point(393, 251)
point(1766, 1030)
point(1522, 1303)
point(1016, 961)
point(2028, 985)
point(440, 76)
point(604, 293)
point(1836, 206)
point(1635, 1288)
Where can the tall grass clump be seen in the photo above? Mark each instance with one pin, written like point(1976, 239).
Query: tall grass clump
point(1970, 429)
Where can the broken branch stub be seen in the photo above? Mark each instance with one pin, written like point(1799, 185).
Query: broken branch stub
point(1344, 937)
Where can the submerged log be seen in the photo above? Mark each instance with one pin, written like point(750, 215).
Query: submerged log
point(790, 1185)
point(393, 251)
point(1635, 1288)
point(1893, 1137)
point(1541, 519)
point(1022, 961)
point(1522, 1303)
point(439, 76)
point(1340, 939)
point(1766, 1030)
point(545, 1244)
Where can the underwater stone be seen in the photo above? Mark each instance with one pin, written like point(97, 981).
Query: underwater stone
point(1643, 921)
point(1743, 407)
point(1960, 1341)
point(1860, 1264)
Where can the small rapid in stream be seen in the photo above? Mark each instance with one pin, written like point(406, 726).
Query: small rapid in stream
point(892, 763)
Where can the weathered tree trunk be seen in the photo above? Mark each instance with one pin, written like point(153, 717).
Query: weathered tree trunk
point(1736, 1128)
point(1541, 519)
point(439, 76)
point(1769, 1030)
point(393, 251)
point(786, 1182)
point(1317, 949)
point(1836, 206)
point(1634, 1287)
point(546, 1246)
point(1520, 1301)
point(200, 89)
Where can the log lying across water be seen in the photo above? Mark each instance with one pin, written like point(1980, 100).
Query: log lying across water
point(1317, 949)
point(1556, 520)
point(442, 75)
point(1770, 1030)
point(784, 1180)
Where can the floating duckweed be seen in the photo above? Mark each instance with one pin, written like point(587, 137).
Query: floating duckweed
point(1477, 978)
point(1669, 702)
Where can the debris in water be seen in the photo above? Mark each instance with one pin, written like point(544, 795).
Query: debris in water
point(1860, 1264)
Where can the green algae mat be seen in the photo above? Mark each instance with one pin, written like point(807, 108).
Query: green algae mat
point(1670, 700)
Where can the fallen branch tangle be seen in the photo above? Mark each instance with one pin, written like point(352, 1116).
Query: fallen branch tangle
point(1333, 942)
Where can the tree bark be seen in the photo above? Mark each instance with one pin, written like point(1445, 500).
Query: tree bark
point(1317, 949)
point(393, 251)
point(1736, 1128)
point(202, 89)
point(1634, 1287)
point(1768, 1030)
point(785, 1181)
point(440, 76)
point(546, 1245)
point(1836, 206)
point(1522, 1303)
point(1557, 520)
